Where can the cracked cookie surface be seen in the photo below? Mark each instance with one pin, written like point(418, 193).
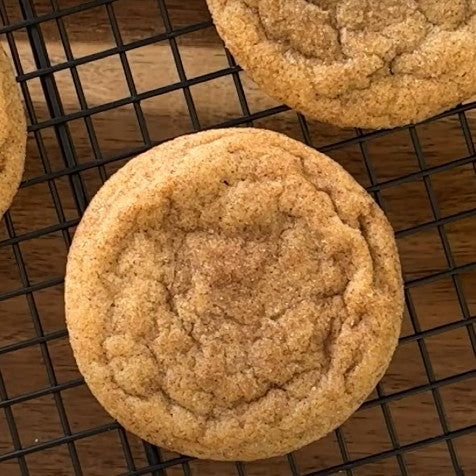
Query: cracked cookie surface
point(233, 295)
point(357, 63)
point(12, 134)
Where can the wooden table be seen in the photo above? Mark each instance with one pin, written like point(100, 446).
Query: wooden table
point(33, 262)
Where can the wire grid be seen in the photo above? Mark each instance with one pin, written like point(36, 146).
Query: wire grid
point(155, 461)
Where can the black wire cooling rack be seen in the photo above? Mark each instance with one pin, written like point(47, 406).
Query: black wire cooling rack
point(79, 442)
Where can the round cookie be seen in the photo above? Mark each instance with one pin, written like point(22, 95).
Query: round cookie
point(233, 294)
point(12, 134)
point(356, 63)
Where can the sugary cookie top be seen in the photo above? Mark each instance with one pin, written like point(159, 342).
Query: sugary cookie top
point(12, 134)
point(356, 62)
point(222, 287)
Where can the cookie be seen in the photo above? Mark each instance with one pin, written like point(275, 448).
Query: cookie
point(356, 63)
point(12, 134)
point(233, 294)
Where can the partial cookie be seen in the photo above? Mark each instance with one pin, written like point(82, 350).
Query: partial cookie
point(358, 63)
point(233, 294)
point(12, 134)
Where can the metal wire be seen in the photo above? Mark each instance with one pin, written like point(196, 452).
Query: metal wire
point(72, 169)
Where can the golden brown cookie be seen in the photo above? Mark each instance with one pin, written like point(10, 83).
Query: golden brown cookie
point(359, 63)
point(12, 134)
point(233, 294)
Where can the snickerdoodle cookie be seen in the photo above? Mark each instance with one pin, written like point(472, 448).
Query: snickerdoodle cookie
point(233, 295)
point(363, 63)
point(12, 134)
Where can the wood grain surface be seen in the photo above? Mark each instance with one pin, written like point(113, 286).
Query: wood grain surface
point(117, 132)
